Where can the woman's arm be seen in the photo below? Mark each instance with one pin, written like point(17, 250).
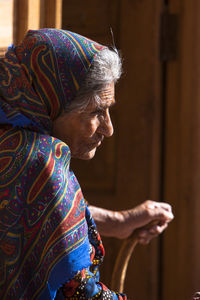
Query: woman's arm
point(121, 224)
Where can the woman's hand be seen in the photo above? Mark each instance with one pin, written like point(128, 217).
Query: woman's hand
point(149, 219)
point(196, 296)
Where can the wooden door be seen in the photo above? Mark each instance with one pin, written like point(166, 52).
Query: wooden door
point(181, 244)
point(126, 170)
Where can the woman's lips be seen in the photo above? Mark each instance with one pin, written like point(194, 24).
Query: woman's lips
point(95, 145)
point(97, 142)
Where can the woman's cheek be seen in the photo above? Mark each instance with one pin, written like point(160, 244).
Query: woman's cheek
point(93, 125)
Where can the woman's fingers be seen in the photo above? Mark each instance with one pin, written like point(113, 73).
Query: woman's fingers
point(196, 296)
point(164, 205)
point(157, 229)
point(145, 235)
point(159, 210)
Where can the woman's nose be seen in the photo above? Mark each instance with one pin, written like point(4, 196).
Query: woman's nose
point(106, 127)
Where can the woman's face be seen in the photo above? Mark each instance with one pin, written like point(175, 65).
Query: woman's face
point(84, 131)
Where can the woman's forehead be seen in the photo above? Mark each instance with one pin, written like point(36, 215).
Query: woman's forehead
point(107, 95)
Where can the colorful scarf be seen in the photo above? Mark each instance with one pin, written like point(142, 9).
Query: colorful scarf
point(43, 231)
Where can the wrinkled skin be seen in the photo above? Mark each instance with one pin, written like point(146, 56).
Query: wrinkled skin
point(84, 131)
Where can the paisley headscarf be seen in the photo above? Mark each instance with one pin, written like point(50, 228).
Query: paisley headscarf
point(43, 231)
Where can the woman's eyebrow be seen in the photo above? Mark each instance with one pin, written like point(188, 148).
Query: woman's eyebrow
point(104, 105)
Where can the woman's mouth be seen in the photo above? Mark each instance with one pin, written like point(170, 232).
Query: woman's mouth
point(96, 144)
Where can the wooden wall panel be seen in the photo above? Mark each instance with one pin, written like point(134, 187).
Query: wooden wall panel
point(26, 16)
point(92, 18)
point(181, 264)
point(50, 13)
point(35, 14)
point(140, 129)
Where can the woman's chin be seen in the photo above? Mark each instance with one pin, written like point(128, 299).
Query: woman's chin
point(87, 155)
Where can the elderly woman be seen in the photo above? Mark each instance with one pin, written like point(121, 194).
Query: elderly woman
point(56, 89)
